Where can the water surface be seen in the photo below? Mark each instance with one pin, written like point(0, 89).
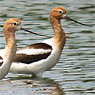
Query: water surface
point(74, 74)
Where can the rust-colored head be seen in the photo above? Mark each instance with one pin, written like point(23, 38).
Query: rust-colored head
point(12, 25)
point(58, 13)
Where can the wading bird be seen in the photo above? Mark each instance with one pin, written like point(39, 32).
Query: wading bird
point(37, 58)
point(7, 55)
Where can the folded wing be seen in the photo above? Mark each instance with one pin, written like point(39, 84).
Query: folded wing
point(33, 53)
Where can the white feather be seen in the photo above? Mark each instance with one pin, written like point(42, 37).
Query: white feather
point(1, 61)
point(38, 67)
point(33, 51)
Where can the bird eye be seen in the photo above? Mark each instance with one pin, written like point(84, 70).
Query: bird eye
point(15, 24)
point(60, 11)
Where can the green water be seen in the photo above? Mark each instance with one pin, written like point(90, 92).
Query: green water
point(75, 72)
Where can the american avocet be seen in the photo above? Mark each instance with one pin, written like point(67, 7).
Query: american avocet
point(36, 58)
point(7, 55)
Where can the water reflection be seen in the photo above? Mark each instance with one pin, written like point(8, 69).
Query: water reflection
point(25, 85)
point(75, 72)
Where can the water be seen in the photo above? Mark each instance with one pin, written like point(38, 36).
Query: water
point(75, 72)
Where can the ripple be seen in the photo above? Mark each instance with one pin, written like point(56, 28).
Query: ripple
point(74, 74)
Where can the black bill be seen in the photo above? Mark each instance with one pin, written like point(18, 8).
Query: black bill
point(33, 32)
point(66, 17)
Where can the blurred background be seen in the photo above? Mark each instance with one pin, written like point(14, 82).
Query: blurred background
point(74, 74)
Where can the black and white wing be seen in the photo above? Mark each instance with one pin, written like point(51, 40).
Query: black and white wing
point(33, 53)
point(1, 58)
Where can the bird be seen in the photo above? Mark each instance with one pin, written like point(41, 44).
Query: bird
point(8, 53)
point(37, 58)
